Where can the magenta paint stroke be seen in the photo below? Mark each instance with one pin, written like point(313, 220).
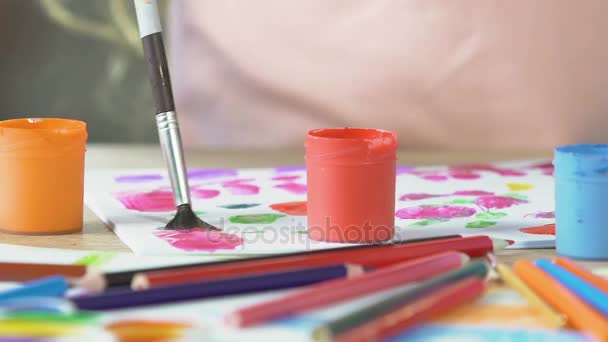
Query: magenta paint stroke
point(498, 202)
point(151, 201)
point(433, 212)
point(286, 178)
point(141, 178)
point(294, 188)
point(472, 193)
point(242, 189)
point(199, 240)
point(211, 173)
point(238, 181)
point(285, 169)
point(546, 168)
point(204, 193)
point(542, 214)
point(418, 196)
point(505, 172)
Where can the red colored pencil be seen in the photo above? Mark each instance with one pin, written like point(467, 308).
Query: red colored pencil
point(376, 256)
point(334, 291)
point(408, 316)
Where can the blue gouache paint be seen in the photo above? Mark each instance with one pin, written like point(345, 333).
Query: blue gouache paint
point(585, 291)
point(46, 287)
point(581, 197)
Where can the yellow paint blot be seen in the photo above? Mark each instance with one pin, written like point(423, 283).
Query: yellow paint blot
point(520, 186)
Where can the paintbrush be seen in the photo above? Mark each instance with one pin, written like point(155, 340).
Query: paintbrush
point(166, 119)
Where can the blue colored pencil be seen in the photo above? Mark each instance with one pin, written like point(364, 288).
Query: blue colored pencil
point(54, 286)
point(214, 288)
point(585, 291)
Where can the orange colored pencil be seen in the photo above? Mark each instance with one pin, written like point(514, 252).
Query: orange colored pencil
point(579, 314)
point(583, 273)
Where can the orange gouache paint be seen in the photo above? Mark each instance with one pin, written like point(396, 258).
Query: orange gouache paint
point(42, 175)
point(291, 208)
point(147, 330)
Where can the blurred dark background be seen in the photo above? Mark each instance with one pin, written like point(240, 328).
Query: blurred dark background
point(76, 59)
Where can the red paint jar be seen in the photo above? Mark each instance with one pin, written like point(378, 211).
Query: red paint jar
point(351, 184)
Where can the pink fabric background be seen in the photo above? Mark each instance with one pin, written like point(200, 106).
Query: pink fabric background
point(481, 74)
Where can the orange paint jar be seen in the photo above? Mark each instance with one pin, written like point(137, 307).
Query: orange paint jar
point(351, 184)
point(42, 175)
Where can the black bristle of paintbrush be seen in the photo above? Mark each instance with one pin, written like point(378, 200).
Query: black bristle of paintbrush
point(185, 218)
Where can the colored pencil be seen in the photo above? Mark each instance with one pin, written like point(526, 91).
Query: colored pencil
point(552, 318)
point(585, 291)
point(410, 314)
point(376, 256)
point(406, 294)
point(330, 292)
point(580, 271)
point(580, 315)
point(215, 288)
point(21, 272)
point(125, 278)
point(47, 287)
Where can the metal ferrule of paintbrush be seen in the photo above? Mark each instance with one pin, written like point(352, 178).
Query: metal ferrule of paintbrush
point(171, 144)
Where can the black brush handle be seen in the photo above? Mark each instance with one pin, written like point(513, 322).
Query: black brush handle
point(150, 31)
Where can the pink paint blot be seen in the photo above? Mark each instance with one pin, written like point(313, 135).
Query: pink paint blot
point(435, 178)
point(464, 175)
point(428, 212)
point(286, 178)
point(417, 196)
point(488, 168)
point(498, 202)
point(205, 193)
point(294, 188)
point(546, 168)
point(153, 201)
point(543, 214)
point(473, 193)
point(238, 181)
point(192, 240)
point(242, 189)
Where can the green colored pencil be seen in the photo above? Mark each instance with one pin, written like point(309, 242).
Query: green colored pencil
point(406, 294)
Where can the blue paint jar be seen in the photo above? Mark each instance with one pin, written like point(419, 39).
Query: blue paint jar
point(581, 201)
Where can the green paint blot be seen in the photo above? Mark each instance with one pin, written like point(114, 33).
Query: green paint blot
point(71, 318)
point(239, 205)
point(461, 201)
point(95, 259)
point(427, 222)
point(490, 215)
point(257, 218)
point(481, 224)
point(516, 196)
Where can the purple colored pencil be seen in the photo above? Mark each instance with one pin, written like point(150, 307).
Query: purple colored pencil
point(215, 288)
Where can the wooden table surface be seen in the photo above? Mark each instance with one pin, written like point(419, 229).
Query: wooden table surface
point(96, 236)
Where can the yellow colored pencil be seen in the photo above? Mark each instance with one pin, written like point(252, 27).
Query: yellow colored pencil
point(553, 318)
point(37, 329)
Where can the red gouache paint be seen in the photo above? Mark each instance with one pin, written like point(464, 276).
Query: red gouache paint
point(351, 184)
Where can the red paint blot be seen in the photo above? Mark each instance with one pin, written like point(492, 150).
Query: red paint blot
point(294, 188)
point(153, 201)
point(192, 240)
point(242, 189)
point(548, 229)
point(205, 193)
point(428, 212)
point(291, 208)
point(286, 178)
point(498, 202)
